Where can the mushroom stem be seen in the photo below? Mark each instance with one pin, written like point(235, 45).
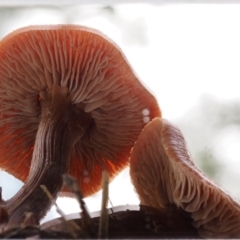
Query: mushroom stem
point(58, 132)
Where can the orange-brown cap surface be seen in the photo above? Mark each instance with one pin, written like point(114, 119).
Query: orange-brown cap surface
point(163, 173)
point(100, 82)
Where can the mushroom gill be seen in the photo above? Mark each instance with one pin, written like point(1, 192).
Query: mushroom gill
point(164, 174)
point(69, 103)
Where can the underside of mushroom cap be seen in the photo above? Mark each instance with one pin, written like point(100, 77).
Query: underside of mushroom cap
point(100, 82)
point(163, 173)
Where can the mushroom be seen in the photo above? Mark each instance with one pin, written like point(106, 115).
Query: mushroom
point(164, 174)
point(69, 103)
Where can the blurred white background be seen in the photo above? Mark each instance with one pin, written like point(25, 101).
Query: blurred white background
point(187, 55)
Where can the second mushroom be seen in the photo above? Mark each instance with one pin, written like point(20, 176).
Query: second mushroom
point(69, 103)
point(164, 175)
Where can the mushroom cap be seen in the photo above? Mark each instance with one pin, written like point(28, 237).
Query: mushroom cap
point(100, 82)
point(163, 173)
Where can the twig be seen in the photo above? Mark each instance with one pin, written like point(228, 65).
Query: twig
point(111, 205)
point(73, 228)
point(4, 215)
point(87, 224)
point(103, 225)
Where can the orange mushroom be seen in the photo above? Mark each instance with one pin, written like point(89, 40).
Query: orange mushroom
point(69, 103)
point(164, 174)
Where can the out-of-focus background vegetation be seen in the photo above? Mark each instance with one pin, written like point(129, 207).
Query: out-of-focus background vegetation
point(187, 55)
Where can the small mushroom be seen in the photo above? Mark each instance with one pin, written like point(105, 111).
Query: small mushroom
point(69, 103)
point(163, 173)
